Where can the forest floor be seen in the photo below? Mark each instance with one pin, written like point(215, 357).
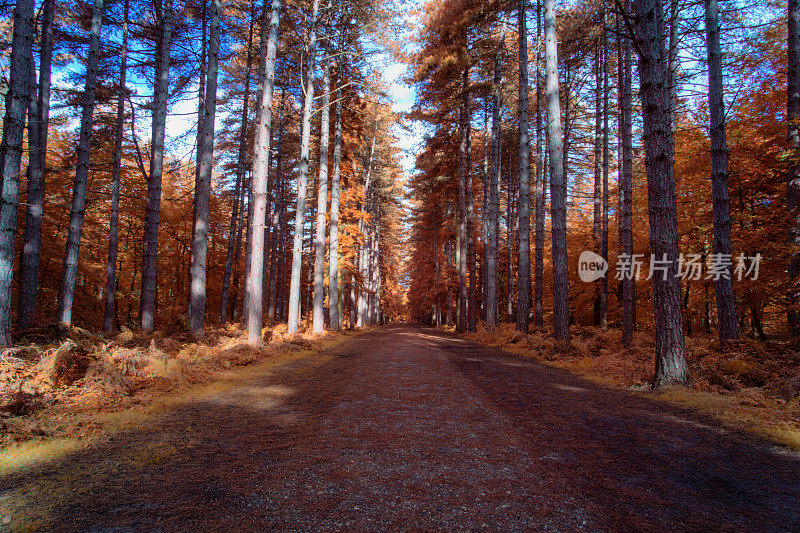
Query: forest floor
point(410, 428)
point(747, 385)
point(58, 392)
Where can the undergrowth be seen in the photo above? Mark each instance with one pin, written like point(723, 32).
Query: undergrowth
point(58, 385)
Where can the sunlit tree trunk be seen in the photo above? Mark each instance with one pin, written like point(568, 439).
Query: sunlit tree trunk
point(671, 365)
point(302, 180)
point(333, 277)
point(147, 301)
point(113, 227)
point(19, 91)
point(202, 188)
point(78, 210)
point(558, 182)
point(523, 198)
point(723, 285)
point(259, 180)
point(278, 228)
point(240, 171)
point(364, 231)
point(318, 322)
point(38, 120)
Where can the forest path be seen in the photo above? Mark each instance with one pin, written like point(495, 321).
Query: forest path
point(407, 428)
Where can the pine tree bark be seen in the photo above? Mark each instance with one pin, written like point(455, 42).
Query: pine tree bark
point(20, 89)
point(38, 120)
point(625, 209)
point(333, 277)
point(472, 292)
point(318, 321)
point(278, 227)
point(494, 179)
point(558, 182)
point(603, 322)
point(672, 60)
point(793, 165)
point(598, 178)
point(523, 198)
point(510, 232)
point(259, 180)
point(723, 285)
point(302, 179)
point(78, 210)
point(240, 171)
point(113, 227)
point(538, 270)
point(202, 187)
point(671, 364)
point(363, 228)
point(147, 303)
point(461, 256)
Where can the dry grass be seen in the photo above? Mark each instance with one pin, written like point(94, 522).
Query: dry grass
point(61, 394)
point(748, 385)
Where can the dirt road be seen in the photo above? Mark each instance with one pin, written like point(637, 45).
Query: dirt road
point(405, 428)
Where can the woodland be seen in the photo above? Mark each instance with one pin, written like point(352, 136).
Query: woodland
point(193, 184)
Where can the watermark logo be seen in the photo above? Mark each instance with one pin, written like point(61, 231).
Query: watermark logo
point(591, 267)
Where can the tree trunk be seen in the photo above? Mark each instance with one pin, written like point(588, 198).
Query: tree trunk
point(598, 178)
point(202, 188)
point(723, 284)
point(312, 210)
point(259, 179)
point(671, 365)
point(318, 322)
point(793, 165)
point(461, 256)
point(20, 89)
point(603, 323)
point(472, 293)
point(278, 228)
point(538, 271)
point(111, 277)
point(282, 293)
point(38, 120)
point(238, 187)
point(302, 180)
point(333, 278)
point(625, 209)
point(364, 230)
point(523, 194)
point(78, 209)
point(494, 178)
point(672, 60)
point(485, 208)
point(449, 257)
point(510, 232)
point(558, 183)
point(147, 303)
